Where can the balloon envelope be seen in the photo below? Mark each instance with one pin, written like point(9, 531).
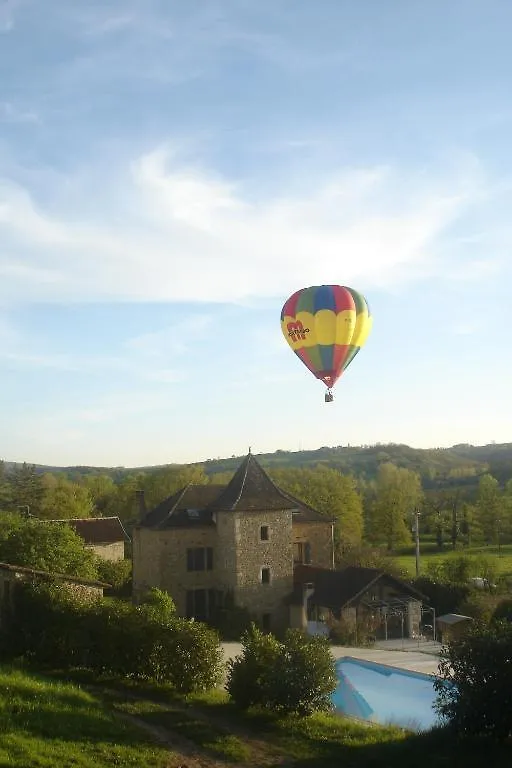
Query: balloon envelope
point(326, 326)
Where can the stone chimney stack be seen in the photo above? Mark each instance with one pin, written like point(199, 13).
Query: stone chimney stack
point(141, 505)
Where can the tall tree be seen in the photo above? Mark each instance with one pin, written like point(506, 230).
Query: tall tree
point(491, 509)
point(332, 494)
point(164, 482)
point(27, 489)
point(63, 499)
point(5, 489)
point(52, 547)
point(102, 490)
point(398, 494)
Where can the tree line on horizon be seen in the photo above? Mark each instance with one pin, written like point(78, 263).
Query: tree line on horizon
point(373, 508)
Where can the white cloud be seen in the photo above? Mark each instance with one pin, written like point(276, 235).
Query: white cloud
point(164, 231)
point(10, 113)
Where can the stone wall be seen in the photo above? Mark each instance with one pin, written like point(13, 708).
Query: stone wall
point(253, 555)
point(319, 536)
point(112, 552)
point(239, 554)
point(160, 560)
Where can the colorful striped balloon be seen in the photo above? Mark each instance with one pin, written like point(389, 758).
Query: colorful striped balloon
point(326, 326)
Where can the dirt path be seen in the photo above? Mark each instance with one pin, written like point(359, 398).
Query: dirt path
point(195, 756)
point(186, 754)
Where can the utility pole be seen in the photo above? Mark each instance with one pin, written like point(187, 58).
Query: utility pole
point(417, 539)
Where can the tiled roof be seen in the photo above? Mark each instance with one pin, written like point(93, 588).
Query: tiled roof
point(97, 530)
point(47, 575)
point(187, 507)
point(336, 589)
point(250, 489)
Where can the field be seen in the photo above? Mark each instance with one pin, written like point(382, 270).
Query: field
point(428, 552)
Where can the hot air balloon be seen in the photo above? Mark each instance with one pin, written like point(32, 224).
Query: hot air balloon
point(326, 326)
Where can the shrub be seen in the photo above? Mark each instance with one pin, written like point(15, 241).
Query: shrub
point(230, 620)
point(248, 673)
point(293, 676)
point(147, 642)
point(116, 573)
point(480, 606)
point(445, 598)
point(353, 633)
point(475, 689)
point(503, 611)
point(304, 677)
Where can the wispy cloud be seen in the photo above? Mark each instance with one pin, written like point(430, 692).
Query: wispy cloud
point(172, 340)
point(10, 113)
point(165, 230)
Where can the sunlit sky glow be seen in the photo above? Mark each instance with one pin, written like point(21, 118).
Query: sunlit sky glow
point(170, 172)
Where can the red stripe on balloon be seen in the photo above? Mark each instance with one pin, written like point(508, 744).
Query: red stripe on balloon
point(341, 352)
point(290, 307)
point(343, 298)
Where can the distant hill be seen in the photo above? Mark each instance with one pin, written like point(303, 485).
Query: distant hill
point(438, 467)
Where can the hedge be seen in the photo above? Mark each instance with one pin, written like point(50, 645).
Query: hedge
point(53, 628)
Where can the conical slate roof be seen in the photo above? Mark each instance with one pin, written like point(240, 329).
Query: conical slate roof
point(252, 489)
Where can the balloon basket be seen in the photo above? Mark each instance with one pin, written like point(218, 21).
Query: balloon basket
point(329, 397)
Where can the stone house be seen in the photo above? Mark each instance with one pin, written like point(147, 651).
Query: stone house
point(105, 536)
point(353, 594)
point(242, 540)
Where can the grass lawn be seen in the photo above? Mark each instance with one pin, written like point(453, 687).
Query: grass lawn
point(51, 724)
point(45, 723)
point(320, 741)
point(428, 552)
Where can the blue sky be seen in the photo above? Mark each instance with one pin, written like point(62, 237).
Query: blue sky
point(170, 172)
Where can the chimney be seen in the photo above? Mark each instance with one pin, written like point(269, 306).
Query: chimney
point(141, 505)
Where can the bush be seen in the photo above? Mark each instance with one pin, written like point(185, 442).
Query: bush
point(293, 676)
point(248, 674)
point(116, 573)
point(503, 611)
point(304, 677)
point(359, 633)
point(445, 598)
point(475, 689)
point(53, 627)
point(480, 606)
point(230, 620)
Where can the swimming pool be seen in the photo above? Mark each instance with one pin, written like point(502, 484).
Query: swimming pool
point(385, 694)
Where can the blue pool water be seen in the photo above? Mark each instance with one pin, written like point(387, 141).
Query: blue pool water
point(385, 694)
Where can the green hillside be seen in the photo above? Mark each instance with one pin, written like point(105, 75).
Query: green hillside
point(460, 465)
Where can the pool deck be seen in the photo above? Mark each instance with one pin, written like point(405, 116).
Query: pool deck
point(411, 657)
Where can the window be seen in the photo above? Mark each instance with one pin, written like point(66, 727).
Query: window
point(200, 559)
point(201, 603)
point(265, 575)
point(264, 533)
point(266, 622)
point(302, 553)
